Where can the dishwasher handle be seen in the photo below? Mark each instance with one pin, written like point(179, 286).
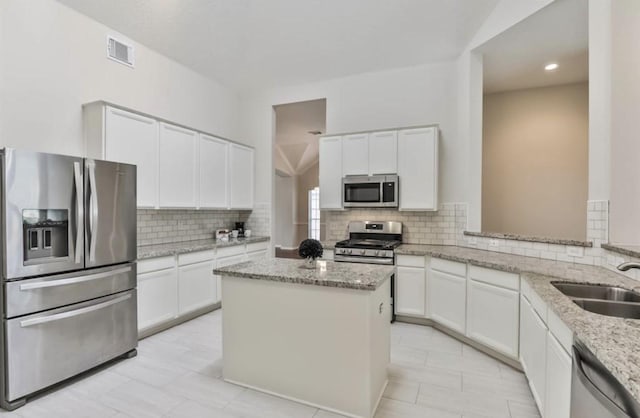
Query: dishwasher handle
point(623, 405)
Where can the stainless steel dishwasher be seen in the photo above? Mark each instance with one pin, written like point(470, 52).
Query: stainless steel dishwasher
point(595, 392)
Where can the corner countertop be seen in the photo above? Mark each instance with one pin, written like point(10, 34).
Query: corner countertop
point(529, 238)
point(162, 250)
point(327, 273)
point(624, 249)
point(614, 341)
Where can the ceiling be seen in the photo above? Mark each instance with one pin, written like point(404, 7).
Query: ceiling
point(250, 44)
point(296, 148)
point(515, 59)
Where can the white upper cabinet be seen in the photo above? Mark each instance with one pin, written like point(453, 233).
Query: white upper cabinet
point(355, 154)
point(410, 153)
point(241, 177)
point(383, 152)
point(213, 168)
point(177, 166)
point(133, 139)
point(418, 168)
point(331, 172)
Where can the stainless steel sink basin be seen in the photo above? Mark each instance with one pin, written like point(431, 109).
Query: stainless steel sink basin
point(609, 308)
point(592, 291)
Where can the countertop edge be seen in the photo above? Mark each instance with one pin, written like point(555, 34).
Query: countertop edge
point(308, 282)
point(185, 247)
point(621, 249)
point(528, 238)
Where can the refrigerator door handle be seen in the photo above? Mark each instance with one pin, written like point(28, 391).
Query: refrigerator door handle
point(70, 314)
point(74, 280)
point(93, 209)
point(79, 249)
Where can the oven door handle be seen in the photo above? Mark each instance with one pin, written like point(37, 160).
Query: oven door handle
point(74, 280)
point(369, 260)
point(64, 315)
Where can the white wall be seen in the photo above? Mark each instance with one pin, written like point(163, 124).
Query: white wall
point(402, 97)
point(625, 114)
point(53, 60)
point(599, 99)
point(284, 211)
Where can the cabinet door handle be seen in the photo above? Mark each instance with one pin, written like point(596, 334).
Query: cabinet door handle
point(381, 308)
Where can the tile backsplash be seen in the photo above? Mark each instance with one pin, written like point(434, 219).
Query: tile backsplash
point(442, 227)
point(165, 226)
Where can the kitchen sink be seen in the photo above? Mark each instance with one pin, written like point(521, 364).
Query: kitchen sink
point(593, 291)
point(610, 308)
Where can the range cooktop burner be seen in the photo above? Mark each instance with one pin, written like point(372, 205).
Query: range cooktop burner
point(368, 243)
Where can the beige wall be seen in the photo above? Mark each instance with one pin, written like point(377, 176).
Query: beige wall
point(535, 161)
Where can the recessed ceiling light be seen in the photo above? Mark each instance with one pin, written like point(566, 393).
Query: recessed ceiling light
point(551, 67)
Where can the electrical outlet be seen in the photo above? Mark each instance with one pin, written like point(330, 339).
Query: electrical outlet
point(575, 251)
point(473, 241)
point(494, 243)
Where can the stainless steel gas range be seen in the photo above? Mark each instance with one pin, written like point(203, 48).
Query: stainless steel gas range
point(371, 242)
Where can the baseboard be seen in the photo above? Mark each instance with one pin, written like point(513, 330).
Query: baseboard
point(463, 338)
point(294, 399)
point(147, 332)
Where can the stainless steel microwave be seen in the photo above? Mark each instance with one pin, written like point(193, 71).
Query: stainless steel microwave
point(370, 191)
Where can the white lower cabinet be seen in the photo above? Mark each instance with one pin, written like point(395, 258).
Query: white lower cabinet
point(558, 382)
point(493, 317)
point(447, 299)
point(169, 288)
point(410, 291)
point(533, 351)
point(223, 262)
point(196, 286)
point(257, 251)
point(157, 301)
point(256, 255)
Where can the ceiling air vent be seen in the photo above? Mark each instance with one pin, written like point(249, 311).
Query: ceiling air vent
point(119, 51)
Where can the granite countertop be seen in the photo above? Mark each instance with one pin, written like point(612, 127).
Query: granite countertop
point(614, 341)
point(161, 250)
point(529, 238)
point(328, 273)
point(628, 250)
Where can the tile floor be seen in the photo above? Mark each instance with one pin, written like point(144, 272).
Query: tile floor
point(177, 374)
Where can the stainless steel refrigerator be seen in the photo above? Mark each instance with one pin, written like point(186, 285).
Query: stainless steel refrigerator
point(68, 268)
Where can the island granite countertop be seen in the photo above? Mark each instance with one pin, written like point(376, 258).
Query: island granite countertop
point(162, 250)
point(613, 340)
point(327, 273)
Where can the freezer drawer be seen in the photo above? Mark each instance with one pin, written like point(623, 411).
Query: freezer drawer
point(35, 295)
point(51, 346)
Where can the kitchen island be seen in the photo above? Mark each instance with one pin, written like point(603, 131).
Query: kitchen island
point(317, 336)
